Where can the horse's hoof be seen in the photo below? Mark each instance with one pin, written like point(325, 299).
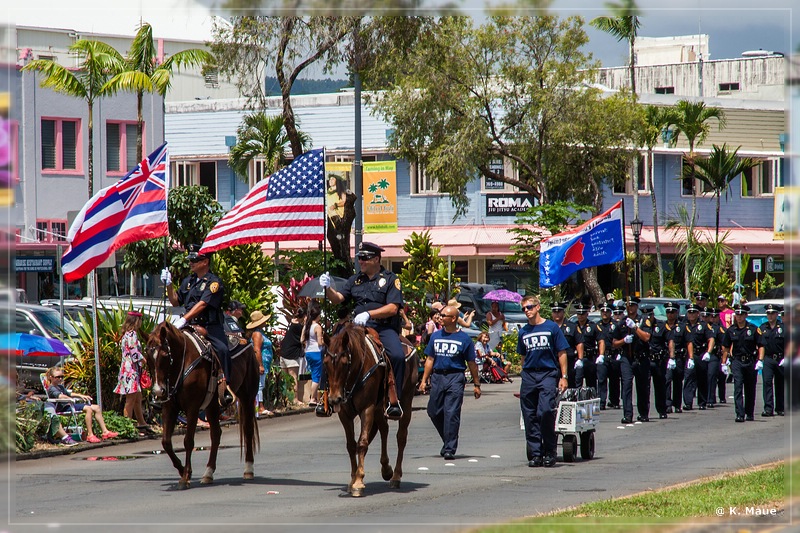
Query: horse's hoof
point(387, 473)
point(206, 480)
point(249, 475)
point(355, 493)
point(183, 485)
point(394, 484)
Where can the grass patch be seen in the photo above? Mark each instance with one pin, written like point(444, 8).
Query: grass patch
point(654, 511)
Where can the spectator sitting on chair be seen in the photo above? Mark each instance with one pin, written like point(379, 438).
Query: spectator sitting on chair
point(55, 431)
point(56, 390)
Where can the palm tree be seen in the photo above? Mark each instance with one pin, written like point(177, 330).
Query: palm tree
point(261, 136)
point(720, 169)
point(692, 119)
point(98, 61)
point(141, 72)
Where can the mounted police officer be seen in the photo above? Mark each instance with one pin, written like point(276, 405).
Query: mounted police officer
point(742, 342)
point(201, 294)
point(378, 299)
point(700, 343)
point(575, 350)
point(713, 361)
point(632, 337)
point(772, 341)
point(679, 347)
point(605, 336)
point(587, 335)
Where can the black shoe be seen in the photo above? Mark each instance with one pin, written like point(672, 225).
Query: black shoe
point(765, 413)
point(687, 407)
point(750, 418)
point(616, 406)
point(710, 406)
point(549, 460)
point(702, 408)
point(394, 411)
point(626, 421)
point(779, 413)
point(662, 416)
point(740, 419)
point(320, 411)
point(448, 456)
point(669, 410)
point(602, 408)
point(678, 410)
point(641, 418)
point(723, 400)
point(536, 462)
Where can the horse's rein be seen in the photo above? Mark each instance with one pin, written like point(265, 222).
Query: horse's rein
point(173, 389)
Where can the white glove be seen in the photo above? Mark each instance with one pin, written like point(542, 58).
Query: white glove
point(706, 356)
point(325, 280)
point(630, 323)
point(579, 363)
point(726, 369)
point(600, 359)
point(690, 364)
point(619, 356)
point(361, 319)
point(759, 365)
point(166, 277)
point(671, 364)
point(180, 322)
point(783, 362)
point(628, 339)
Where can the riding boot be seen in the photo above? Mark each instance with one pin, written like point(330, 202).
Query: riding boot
point(323, 409)
point(224, 393)
point(393, 410)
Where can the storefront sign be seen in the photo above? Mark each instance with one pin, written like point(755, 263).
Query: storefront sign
point(503, 205)
point(774, 265)
point(34, 264)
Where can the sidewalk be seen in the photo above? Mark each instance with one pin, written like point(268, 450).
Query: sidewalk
point(179, 430)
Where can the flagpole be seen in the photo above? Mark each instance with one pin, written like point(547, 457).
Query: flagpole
point(166, 237)
point(93, 291)
point(625, 253)
point(324, 217)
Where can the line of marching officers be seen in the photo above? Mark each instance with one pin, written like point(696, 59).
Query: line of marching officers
point(684, 357)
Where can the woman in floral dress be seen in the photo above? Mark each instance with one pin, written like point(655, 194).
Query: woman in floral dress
point(132, 363)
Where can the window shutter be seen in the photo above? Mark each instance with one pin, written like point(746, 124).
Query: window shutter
point(69, 145)
point(48, 144)
point(112, 147)
point(130, 147)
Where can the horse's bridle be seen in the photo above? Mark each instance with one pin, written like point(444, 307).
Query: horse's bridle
point(172, 390)
point(357, 383)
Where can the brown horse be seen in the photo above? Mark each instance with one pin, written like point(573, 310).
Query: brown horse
point(183, 380)
point(358, 386)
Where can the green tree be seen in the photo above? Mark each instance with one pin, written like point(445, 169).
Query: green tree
point(97, 61)
point(423, 273)
point(141, 72)
point(261, 136)
point(624, 25)
point(247, 274)
point(719, 169)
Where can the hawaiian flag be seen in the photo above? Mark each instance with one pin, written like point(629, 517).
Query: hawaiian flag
point(599, 241)
point(287, 206)
point(133, 209)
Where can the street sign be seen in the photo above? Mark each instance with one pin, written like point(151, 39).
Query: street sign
point(756, 265)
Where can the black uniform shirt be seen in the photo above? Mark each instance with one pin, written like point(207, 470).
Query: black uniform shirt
point(744, 340)
point(638, 347)
point(573, 338)
point(772, 340)
point(373, 293)
point(719, 336)
point(699, 334)
point(678, 333)
point(658, 338)
point(208, 289)
point(606, 332)
point(588, 334)
point(232, 325)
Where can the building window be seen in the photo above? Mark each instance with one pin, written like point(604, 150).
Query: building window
point(258, 171)
point(734, 86)
point(121, 146)
point(60, 144)
point(761, 179)
point(184, 173)
point(642, 171)
point(665, 90)
point(51, 230)
point(421, 183)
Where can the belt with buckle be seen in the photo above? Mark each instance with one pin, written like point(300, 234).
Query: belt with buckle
point(447, 372)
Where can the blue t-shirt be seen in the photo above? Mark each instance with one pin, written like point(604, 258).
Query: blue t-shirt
point(540, 345)
point(450, 351)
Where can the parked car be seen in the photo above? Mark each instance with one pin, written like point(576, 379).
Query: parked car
point(43, 322)
point(152, 307)
point(471, 297)
point(758, 313)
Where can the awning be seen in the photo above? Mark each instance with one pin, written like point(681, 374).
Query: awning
point(753, 241)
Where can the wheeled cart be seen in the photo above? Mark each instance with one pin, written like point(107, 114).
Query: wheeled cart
point(576, 422)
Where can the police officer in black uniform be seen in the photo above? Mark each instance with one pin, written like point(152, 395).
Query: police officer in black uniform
point(232, 316)
point(701, 342)
point(679, 347)
point(742, 342)
point(201, 294)
point(575, 350)
point(772, 341)
point(608, 326)
point(659, 354)
point(632, 337)
point(378, 299)
point(714, 362)
point(587, 335)
point(604, 338)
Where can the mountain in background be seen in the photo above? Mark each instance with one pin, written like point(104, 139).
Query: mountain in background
point(307, 86)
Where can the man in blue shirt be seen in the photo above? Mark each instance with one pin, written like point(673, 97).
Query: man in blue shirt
point(543, 348)
point(449, 352)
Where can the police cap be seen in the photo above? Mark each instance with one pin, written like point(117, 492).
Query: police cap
point(368, 250)
point(619, 307)
point(773, 308)
point(234, 306)
point(709, 311)
point(558, 306)
point(692, 308)
point(607, 305)
point(700, 295)
point(194, 253)
point(581, 307)
point(647, 309)
point(671, 306)
point(741, 309)
point(632, 300)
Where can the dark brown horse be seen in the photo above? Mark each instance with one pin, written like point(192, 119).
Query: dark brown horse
point(358, 387)
point(183, 381)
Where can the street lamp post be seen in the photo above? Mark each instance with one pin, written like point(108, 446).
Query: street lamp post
point(636, 228)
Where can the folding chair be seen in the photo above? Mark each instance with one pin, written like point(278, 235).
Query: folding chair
point(64, 407)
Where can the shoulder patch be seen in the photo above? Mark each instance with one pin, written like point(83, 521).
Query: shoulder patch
point(397, 284)
point(213, 287)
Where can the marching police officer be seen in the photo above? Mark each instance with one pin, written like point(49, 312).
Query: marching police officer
point(677, 338)
point(201, 294)
point(449, 352)
point(713, 363)
point(742, 342)
point(612, 354)
point(659, 354)
point(700, 343)
point(587, 335)
point(632, 337)
point(605, 334)
point(378, 300)
point(772, 341)
point(575, 350)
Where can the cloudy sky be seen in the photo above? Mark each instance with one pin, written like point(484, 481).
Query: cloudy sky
point(734, 26)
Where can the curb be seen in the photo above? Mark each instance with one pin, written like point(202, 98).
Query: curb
point(83, 445)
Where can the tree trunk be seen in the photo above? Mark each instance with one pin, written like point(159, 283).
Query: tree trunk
point(339, 235)
point(716, 239)
point(91, 150)
point(655, 229)
point(688, 257)
point(139, 127)
point(590, 279)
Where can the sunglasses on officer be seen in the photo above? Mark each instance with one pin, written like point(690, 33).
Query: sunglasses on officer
point(365, 257)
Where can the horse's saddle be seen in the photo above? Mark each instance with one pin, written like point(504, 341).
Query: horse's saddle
point(237, 345)
point(203, 346)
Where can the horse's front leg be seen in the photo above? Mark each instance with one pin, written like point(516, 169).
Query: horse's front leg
point(169, 417)
point(402, 438)
point(350, 440)
point(367, 419)
point(188, 444)
point(212, 417)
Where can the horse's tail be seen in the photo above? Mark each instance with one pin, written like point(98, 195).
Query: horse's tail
point(247, 420)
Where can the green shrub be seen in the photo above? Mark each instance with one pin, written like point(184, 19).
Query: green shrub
point(29, 419)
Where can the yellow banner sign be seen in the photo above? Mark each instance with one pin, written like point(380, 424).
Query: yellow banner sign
point(337, 177)
point(380, 197)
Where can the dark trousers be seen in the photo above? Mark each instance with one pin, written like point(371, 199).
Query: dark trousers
point(571, 374)
point(588, 372)
point(218, 339)
point(641, 373)
point(675, 381)
point(444, 407)
point(602, 380)
point(537, 399)
point(712, 378)
point(745, 377)
point(773, 377)
point(658, 371)
point(614, 379)
point(690, 383)
point(722, 379)
point(394, 350)
point(701, 381)
point(626, 370)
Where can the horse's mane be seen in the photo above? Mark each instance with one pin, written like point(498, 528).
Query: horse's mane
point(351, 338)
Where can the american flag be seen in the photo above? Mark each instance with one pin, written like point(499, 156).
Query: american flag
point(287, 206)
point(133, 209)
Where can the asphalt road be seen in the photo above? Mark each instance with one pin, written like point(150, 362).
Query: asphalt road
point(303, 468)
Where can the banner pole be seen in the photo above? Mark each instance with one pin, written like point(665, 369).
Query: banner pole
point(626, 289)
point(96, 341)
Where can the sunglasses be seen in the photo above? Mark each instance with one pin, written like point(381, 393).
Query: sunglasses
point(529, 307)
point(60, 376)
point(672, 310)
point(618, 312)
point(197, 259)
point(365, 257)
